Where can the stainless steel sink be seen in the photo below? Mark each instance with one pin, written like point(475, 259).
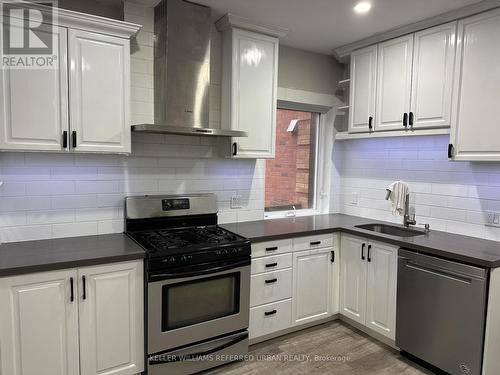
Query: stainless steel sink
point(391, 230)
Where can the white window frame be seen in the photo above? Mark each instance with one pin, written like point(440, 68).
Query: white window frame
point(321, 144)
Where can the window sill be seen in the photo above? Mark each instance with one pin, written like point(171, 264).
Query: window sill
point(283, 214)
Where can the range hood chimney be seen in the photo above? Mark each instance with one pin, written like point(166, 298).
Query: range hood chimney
point(182, 71)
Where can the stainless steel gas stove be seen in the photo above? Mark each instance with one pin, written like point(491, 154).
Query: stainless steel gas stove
point(198, 283)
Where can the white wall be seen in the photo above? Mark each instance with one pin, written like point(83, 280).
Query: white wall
point(451, 196)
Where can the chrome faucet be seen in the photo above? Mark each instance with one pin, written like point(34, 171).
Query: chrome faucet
point(408, 219)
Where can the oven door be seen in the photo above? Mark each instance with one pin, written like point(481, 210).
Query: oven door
point(197, 303)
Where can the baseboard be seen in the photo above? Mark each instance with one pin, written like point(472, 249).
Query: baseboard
point(273, 335)
point(369, 332)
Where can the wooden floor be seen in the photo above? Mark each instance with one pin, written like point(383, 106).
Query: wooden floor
point(349, 350)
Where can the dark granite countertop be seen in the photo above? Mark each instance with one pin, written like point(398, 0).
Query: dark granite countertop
point(46, 255)
point(466, 249)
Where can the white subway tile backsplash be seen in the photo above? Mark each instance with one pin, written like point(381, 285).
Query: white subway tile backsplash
point(75, 229)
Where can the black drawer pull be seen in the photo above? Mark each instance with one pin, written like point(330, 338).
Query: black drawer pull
point(73, 136)
point(369, 253)
point(405, 120)
point(332, 256)
point(363, 252)
point(271, 265)
point(314, 243)
point(274, 248)
point(450, 151)
point(271, 281)
point(65, 139)
point(235, 149)
point(272, 312)
point(370, 121)
point(410, 120)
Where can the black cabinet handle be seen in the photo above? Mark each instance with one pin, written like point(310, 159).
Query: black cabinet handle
point(73, 138)
point(405, 120)
point(274, 248)
point(72, 297)
point(84, 295)
point(314, 243)
point(271, 281)
point(450, 151)
point(410, 121)
point(370, 122)
point(235, 148)
point(369, 251)
point(363, 252)
point(65, 139)
point(272, 312)
point(271, 265)
point(332, 256)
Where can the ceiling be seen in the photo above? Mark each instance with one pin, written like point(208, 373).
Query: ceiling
point(322, 25)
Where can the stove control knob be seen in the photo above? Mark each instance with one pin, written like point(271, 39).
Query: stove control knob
point(183, 259)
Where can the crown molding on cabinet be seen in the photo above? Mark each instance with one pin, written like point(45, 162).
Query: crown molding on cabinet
point(342, 53)
point(231, 20)
point(83, 21)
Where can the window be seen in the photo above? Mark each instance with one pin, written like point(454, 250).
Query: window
point(291, 176)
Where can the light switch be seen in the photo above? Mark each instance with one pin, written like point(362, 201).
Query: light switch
point(496, 219)
point(354, 198)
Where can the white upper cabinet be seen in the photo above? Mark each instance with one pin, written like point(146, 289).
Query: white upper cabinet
point(394, 83)
point(432, 80)
point(34, 104)
point(39, 324)
point(250, 85)
point(475, 132)
point(99, 92)
point(362, 94)
point(83, 104)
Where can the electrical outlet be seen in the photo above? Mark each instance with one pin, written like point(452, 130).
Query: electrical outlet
point(493, 219)
point(236, 201)
point(354, 198)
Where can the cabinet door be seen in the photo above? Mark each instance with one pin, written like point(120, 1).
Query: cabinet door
point(432, 81)
point(99, 92)
point(393, 82)
point(254, 93)
point(34, 105)
point(39, 324)
point(353, 278)
point(363, 89)
point(111, 315)
point(381, 288)
point(312, 285)
point(475, 129)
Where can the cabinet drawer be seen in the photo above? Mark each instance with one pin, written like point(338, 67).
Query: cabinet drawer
point(271, 248)
point(272, 263)
point(313, 242)
point(270, 318)
point(270, 287)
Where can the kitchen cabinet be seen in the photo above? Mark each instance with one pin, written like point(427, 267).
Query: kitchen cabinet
point(394, 71)
point(39, 324)
point(111, 318)
point(55, 323)
point(363, 89)
point(45, 93)
point(475, 123)
point(99, 92)
point(432, 78)
point(312, 285)
point(249, 88)
point(368, 284)
point(83, 104)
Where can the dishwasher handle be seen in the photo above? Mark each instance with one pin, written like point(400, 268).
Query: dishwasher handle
point(438, 272)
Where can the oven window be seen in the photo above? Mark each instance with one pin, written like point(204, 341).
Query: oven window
point(199, 301)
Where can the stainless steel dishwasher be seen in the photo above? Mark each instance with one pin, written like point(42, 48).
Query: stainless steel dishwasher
point(441, 311)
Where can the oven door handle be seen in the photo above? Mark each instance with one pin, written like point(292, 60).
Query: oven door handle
point(186, 357)
point(178, 275)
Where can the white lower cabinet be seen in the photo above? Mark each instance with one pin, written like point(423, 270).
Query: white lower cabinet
point(368, 284)
point(312, 285)
point(54, 323)
point(293, 282)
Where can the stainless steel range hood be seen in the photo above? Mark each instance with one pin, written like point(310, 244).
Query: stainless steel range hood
point(182, 71)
